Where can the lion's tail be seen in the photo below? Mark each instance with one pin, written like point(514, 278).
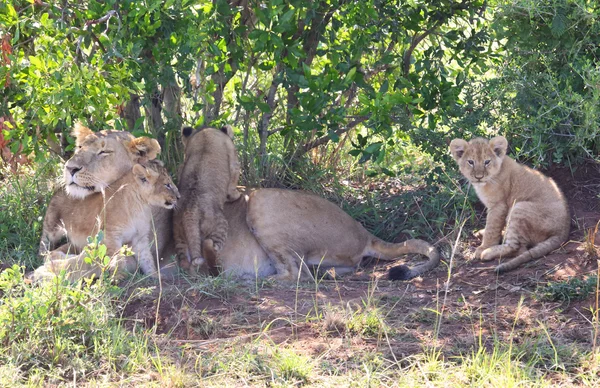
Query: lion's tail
point(390, 251)
point(537, 251)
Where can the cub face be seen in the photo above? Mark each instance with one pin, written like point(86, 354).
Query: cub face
point(155, 184)
point(479, 160)
point(103, 157)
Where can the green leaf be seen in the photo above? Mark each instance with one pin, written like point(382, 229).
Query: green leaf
point(559, 23)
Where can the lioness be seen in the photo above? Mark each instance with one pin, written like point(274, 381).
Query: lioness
point(278, 233)
point(99, 160)
point(207, 180)
point(122, 212)
point(525, 201)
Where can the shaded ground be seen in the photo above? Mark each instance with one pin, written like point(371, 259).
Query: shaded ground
point(475, 307)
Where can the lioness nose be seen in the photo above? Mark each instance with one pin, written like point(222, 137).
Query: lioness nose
point(72, 170)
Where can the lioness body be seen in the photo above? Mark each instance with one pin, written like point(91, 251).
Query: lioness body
point(123, 213)
point(207, 180)
point(526, 202)
point(282, 232)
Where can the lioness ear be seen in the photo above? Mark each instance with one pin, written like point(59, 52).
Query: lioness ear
point(144, 147)
point(228, 130)
point(80, 132)
point(499, 144)
point(458, 148)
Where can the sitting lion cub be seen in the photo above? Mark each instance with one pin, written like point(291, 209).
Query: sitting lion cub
point(207, 180)
point(525, 201)
point(123, 212)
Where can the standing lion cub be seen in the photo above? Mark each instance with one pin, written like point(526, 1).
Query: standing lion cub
point(524, 201)
point(207, 179)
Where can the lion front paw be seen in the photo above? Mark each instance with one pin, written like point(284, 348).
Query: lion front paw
point(479, 251)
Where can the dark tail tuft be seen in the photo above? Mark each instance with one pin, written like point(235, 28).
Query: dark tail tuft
point(400, 272)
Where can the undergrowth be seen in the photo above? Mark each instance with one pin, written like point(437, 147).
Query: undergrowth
point(569, 290)
point(23, 199)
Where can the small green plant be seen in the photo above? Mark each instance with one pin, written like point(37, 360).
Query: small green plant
point(291, 367)
point(367, 322)
point(567, 291)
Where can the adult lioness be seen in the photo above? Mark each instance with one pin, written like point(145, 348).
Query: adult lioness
point(100, 159)
point(280, 232)
point(207, 180)
point(123, 213)
point(528, 203)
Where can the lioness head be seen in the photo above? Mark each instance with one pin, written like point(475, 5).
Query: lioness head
point(103, 157)
point(155, 184)
point(479, 160)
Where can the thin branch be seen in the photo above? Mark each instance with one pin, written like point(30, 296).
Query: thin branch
point(325, 138)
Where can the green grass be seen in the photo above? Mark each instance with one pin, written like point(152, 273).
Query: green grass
point(23, 200)
point(56, 333)
point(567, 291)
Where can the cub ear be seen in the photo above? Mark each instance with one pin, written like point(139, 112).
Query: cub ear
point(80, 132)
point(144, 147)
point(187, 131)
point(228, 130)
point(499, 144)
point(140, 172)
point(458, 148)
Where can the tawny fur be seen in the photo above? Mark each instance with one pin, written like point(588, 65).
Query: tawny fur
point(524, 201)
point(122, 212)
point(99, 160)
point(207, 179)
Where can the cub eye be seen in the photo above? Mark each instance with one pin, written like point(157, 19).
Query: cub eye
point(471, 163)
point(487, 162)
point(144, 180)
point(168, 186)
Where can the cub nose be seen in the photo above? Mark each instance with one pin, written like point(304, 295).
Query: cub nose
point(477, 176)
point(72, 170)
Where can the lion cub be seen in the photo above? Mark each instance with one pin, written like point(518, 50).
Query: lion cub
point(123, 212)
point(525, 201)
point(207, 180)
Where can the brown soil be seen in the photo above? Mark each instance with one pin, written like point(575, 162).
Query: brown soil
point(477, 306)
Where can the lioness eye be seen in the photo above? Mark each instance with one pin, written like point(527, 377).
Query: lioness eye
point(471, 163)
point(487, 162)
point(104, 152)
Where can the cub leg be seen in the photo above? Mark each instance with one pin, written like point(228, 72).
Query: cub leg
point(141, 247)
point(494, 224)
point(181, 247)
point(516, 230)
point(193, 234)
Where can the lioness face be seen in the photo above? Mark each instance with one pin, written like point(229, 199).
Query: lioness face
point(479, 160)
point(155, 184)
point(102, 158)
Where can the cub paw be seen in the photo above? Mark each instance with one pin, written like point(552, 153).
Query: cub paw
point(479, 251)
point(233, 195)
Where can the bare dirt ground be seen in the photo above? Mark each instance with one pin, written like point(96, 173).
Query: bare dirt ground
point(476, 307)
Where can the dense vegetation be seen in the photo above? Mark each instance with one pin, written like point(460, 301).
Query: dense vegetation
point(354, 100)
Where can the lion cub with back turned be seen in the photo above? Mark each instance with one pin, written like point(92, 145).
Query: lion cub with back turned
point(529, 204)
point(207, 179)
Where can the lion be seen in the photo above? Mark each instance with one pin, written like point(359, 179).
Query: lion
point(285, 234)
point(524, 201)
point(99, 160)
point(207, 180)
point(122, 212)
